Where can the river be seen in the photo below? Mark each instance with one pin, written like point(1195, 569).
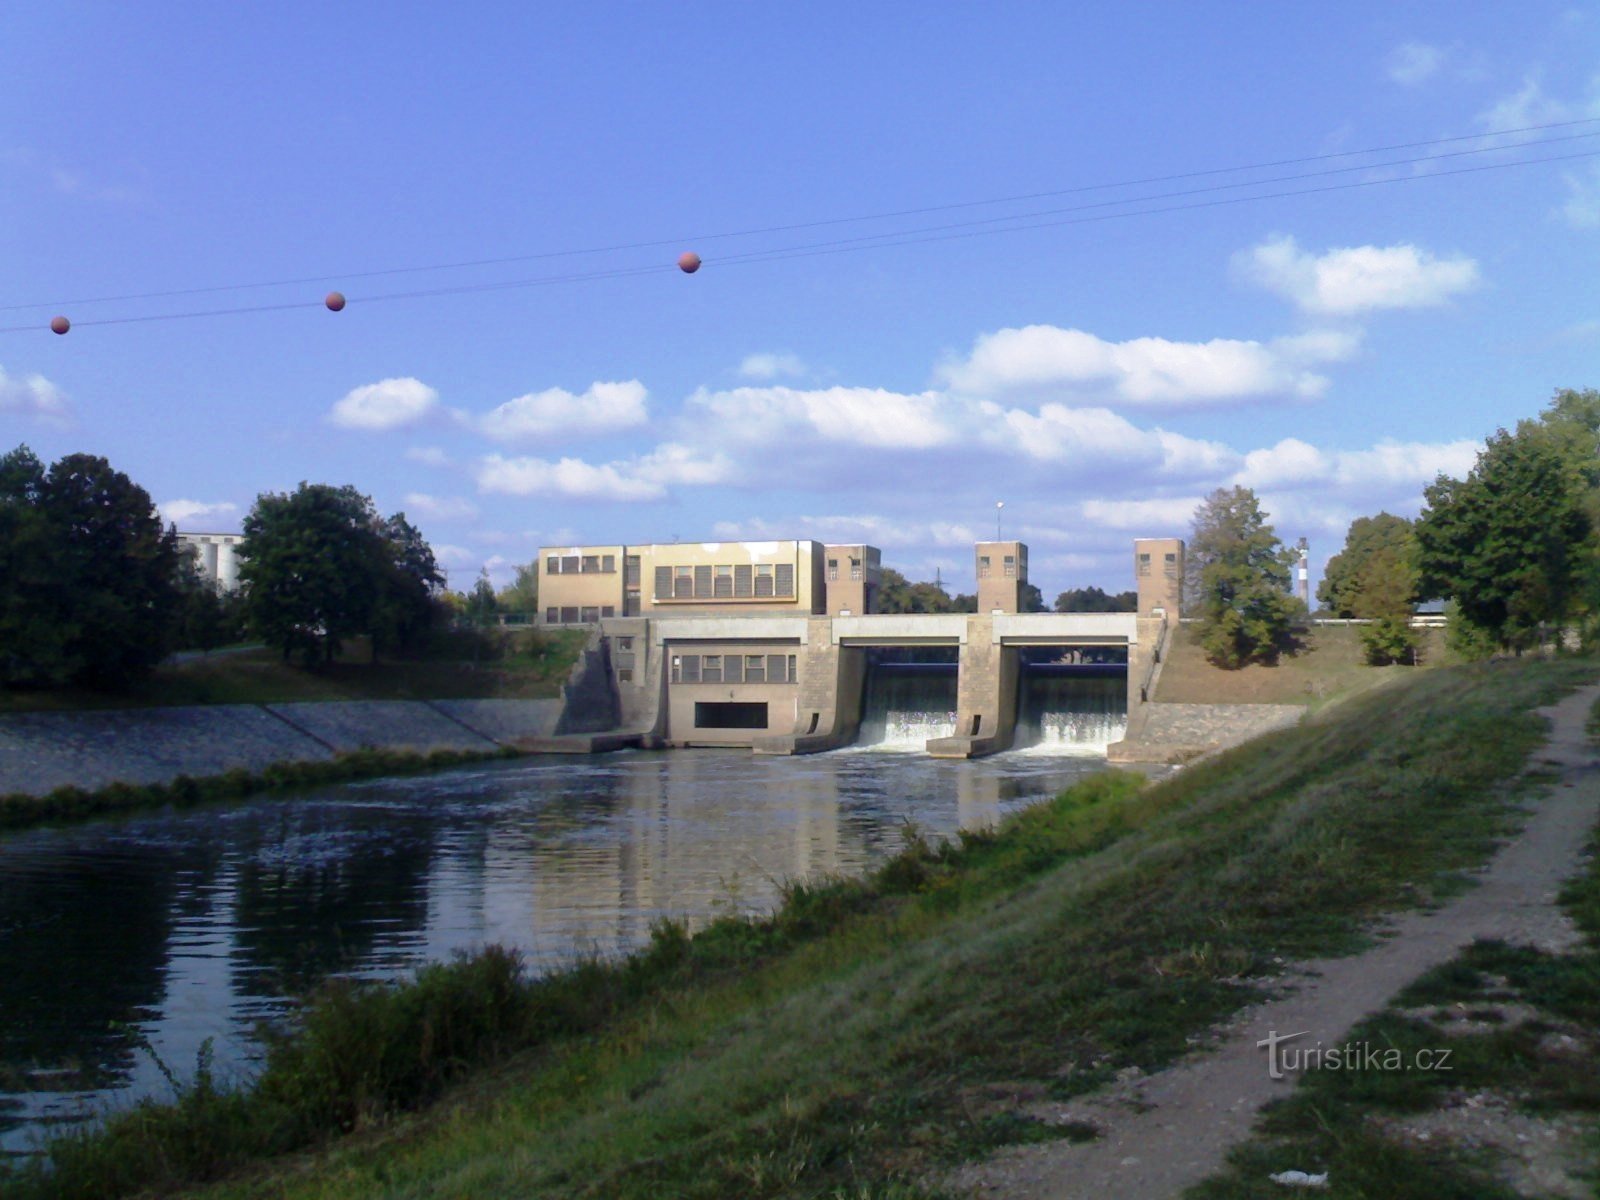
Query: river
point(131, 940)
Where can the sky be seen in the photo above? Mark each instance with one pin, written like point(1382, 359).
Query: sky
point(1092, 261)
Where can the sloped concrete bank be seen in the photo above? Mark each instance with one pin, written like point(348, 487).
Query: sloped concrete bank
point(40, 752)
point(1175, 733)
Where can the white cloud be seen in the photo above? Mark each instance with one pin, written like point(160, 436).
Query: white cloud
point(429, 456)
point(852, 529)
point(672, 463)
point(1413, 63)
point(1528, 105)
point(387, 404)
point(1356, 278)
point(1149, 372)
point(439, 508)
point(189, 514)
point(770, 366)
point(1385, 468)
point(32, 396)
point(856, 415)
point(447, 555)
point(600, 409)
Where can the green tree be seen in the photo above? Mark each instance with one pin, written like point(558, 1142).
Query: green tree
point(312, 564)
point(1246, 610)
point(407, 579)
point(1030, 599)
point(1508, 543)
point(483, 606)
point(1094, 600)
point(1383, 536)
point(522, 594)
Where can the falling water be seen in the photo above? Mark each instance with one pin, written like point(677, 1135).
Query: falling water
point(1071, 714)
point(905, 706)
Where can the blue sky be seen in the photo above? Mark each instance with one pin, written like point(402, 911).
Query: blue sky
point(1335, 349)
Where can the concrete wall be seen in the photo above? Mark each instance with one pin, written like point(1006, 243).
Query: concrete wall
point(986, 695)
point(832, 680)
point(40, 752)
point(781, 699)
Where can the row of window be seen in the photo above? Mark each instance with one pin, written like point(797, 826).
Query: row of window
point(725, 581)
point(1171, 565)
point(586, 615)
point(733, 668)
point(833, 569)
point(581, 564)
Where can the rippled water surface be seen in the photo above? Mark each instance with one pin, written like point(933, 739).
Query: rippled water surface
point(158, 932)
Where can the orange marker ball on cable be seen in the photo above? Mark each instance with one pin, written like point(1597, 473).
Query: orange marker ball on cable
point(59, 324)
point(689, 262)
point(334, 301)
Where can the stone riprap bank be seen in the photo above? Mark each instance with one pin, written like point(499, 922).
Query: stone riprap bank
point(42, 751)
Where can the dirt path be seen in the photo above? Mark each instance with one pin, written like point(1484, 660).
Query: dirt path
point(1166, 1132)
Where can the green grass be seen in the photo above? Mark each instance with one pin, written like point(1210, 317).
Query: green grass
point(534, 665)
point(1331, 666)
point(873, 1031)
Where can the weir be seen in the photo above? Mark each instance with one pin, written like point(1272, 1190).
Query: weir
point(910, 697)
point(1076, 709)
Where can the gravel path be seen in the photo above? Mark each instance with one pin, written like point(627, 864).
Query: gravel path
point(1166, 1132)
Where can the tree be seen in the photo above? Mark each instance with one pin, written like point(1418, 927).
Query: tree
point(311, 565)
point(36, 630)
point(1030, 599)
point(407, 580)
point(897, 595)
point(483, 606)
point(1383, 536)
point(1093, 600)
point(1506, 544)
point(208, 616)
point(522, 594)
point(1243, 577)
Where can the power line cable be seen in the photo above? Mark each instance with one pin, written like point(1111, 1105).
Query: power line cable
point(838, 246)
point(824, 222)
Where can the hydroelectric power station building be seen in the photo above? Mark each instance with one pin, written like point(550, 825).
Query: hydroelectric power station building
point(777, 646)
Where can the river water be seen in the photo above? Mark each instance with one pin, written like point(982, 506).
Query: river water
point(156, 932)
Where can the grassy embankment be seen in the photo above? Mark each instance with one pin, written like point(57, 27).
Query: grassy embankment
point(1516, 1111)
point(873, 1031)
point(1330, 666)
point(528, 666)
point(531, 665)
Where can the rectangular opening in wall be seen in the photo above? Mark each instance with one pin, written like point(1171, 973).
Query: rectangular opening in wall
point(711, 669)
point(683, 583)
point(702, 583)
point(743, 575)
point(663, 583)
point(728, 714)
point(590, 613)
point(733, 668)
point(591, 564)
point(569, 616)
point(785, 579)
point(723, 584)
point(763, 579)
point(569, 564)
point(983, 566)
point(630, 571)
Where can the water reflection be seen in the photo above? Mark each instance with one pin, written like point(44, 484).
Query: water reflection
point(170, 929)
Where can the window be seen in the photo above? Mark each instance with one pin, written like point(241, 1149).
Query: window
point(983, 566)
point(793, 678)
point(775, 668)
point(683, 583)
point(855, 568)
point(743, 573)
point(624, 643)
point(702, 583)
point(833, 570)
point(733, 668)
point(552, 565)
point(591, 614)
point(663, 583)
point(608, 563)
point(784, 573)
point(1144, 564)
point(630, 604)
point(1172, 558)
point(763, 579)
point(591, 564)
point(722, 586)
point(1011, 566)
point(685, 668)
point(569, 616)
point(624, 674)
point(608, 610)
point(552, 616)
point(569, 564)
point(630, 571)
point(711, 669)
point(755, 668)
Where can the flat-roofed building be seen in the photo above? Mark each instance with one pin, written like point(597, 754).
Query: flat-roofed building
point(1158, 575)
point(580, 585)
point(853, 576)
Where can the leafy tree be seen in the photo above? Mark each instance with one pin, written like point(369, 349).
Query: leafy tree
point(964, 602)
point(208, 616)
point(482, 606)
point(1031, 599)
point(1094, 600)
point(1246, 610)
point(407, 579)
point(1384, 536)
point(1506, 544)
point(88, 577)
point(311, 566)
point(522, 594)
point(897, 595)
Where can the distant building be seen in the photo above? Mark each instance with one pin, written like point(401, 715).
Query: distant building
point(1158, 574)
point(214, 556)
